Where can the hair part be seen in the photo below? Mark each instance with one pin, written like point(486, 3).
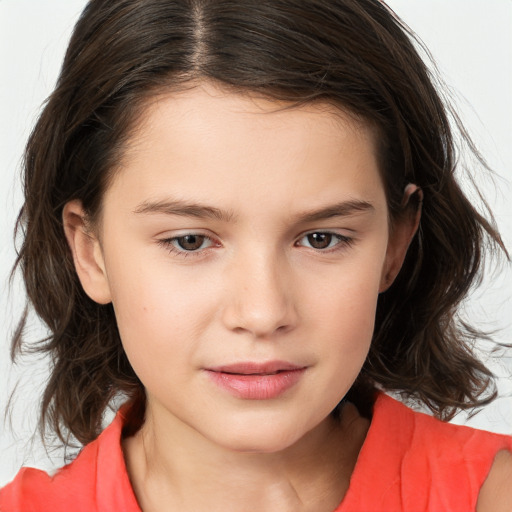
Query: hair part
point(354, 54)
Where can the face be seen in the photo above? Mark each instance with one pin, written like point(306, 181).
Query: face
point(243, 248)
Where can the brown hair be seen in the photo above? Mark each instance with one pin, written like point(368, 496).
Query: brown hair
point(355, 54)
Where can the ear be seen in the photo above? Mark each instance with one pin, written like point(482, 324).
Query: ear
point(87, 253)
point(402, 232)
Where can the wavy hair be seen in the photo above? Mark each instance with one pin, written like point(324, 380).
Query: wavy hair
point(354, 54)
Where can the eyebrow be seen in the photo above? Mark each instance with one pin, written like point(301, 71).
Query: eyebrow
point(184, 209)
point(342, 209)
point(190, 209)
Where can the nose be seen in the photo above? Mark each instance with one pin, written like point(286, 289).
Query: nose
point(260, 299)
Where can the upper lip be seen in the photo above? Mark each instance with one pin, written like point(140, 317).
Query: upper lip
point(254, 368)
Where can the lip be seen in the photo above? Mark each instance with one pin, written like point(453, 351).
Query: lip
point(256, 381)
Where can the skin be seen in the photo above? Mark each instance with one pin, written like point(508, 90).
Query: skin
point(496, 493)
point(252, 183)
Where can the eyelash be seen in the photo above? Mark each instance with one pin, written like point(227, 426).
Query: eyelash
point(169, 244)
point(342, 242)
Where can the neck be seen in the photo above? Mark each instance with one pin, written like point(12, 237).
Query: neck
point(187, 472)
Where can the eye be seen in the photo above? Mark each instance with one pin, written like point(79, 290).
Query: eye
point(189, 243)
point(322, 240)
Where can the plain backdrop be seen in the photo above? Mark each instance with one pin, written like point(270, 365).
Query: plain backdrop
point(471, 41)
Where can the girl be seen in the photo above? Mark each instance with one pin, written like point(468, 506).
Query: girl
point(242, 220)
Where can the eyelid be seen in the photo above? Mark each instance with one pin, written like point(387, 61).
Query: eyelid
point(344, 241)
point(168, 243)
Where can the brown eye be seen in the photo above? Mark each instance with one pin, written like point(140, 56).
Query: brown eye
point(190, 242)
point(319, 240)
point(322, 240)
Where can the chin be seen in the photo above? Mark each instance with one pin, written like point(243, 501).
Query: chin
point(271, 443)
point(263, 436)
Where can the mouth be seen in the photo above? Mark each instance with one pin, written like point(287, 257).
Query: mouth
point(251, 368)
point(256, 381)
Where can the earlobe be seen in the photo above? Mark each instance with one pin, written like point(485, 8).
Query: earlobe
point(87, 254)
point(402, 233)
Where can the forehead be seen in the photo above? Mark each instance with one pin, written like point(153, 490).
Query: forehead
point(196, 108)
point(211, 143)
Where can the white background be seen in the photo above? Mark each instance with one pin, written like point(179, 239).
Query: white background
point(471, 41)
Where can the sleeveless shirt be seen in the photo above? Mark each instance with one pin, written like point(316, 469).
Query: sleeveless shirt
point(409, 462)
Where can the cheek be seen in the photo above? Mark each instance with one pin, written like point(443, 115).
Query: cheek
point(340, 324)
point(347, 295)
point(349, 318)
point(159, 314)
point(343, 314)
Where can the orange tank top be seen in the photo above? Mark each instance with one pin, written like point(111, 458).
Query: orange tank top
point(412, 462)
point(409, 462)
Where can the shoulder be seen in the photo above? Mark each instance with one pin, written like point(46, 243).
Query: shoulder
point(424, 433)
point(437, 462)
point(95, 480)
point(34, 490)
point(496, 493)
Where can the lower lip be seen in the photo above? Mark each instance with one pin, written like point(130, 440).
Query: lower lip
point(257, 387)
